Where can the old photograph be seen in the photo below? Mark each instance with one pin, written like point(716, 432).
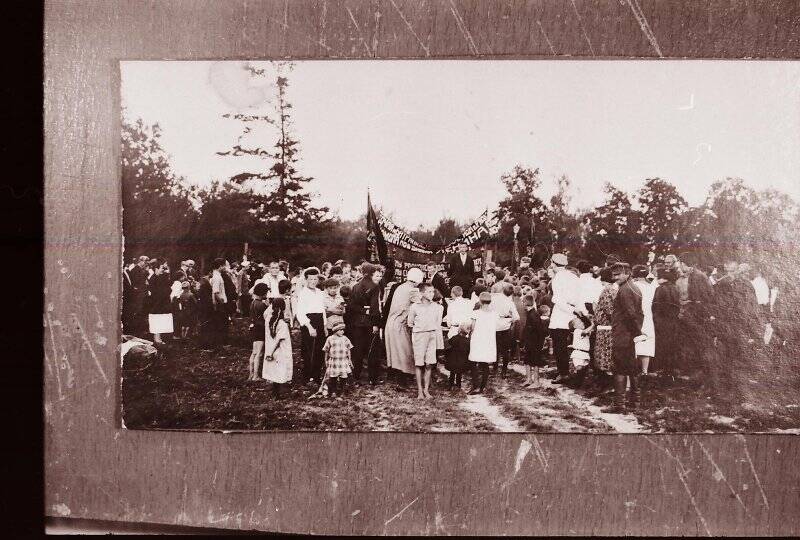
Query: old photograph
point(460, 246)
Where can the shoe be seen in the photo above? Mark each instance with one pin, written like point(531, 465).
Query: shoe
point(473, 392)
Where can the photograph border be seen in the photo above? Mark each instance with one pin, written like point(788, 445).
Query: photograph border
point(359, 483)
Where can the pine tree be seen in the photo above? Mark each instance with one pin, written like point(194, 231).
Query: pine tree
point(281, 202)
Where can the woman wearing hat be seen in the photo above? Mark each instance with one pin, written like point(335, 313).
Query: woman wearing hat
point(399, 352)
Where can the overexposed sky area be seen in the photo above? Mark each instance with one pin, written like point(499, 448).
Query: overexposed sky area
point(431, 138)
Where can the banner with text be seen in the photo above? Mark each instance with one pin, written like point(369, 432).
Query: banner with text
point(485, 226)
point(400, 238)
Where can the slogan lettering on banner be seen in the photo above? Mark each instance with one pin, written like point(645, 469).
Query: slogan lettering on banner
point(398, 237)
point(484, 226)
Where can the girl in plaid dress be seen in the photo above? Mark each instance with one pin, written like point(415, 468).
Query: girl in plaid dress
point(338, 364)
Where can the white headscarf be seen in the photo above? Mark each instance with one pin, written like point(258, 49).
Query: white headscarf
point(415, 275)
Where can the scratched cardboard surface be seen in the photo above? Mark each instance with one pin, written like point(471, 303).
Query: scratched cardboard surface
point(368, 482)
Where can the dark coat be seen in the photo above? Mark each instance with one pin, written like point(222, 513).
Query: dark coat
point(363, 305)
point(462, 275)
point(159, 302)
point(533, 337)
point(666, 307)
point(736, 309)
point(440, 284)
point(457, 360)
point(626, 324)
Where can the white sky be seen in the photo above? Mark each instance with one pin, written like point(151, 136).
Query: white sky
point(431, 138)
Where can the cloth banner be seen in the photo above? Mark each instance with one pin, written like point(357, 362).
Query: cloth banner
point(400, 238)
point(376, 249)
point(485, 225)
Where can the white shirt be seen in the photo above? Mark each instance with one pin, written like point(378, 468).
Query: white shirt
point(566, 296)
point(504, 307)
point(217, 287)
point(459, 310)
point(590, 288)
point(463, 258)
point(309, 301)
point(272, 283)
point(762, 290)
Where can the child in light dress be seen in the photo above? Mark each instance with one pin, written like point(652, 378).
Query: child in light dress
point(483, 342)
point(278, 362)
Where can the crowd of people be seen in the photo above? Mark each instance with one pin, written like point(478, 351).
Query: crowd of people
point(617, 323)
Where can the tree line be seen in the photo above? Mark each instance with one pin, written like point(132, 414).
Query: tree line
point(272, 210)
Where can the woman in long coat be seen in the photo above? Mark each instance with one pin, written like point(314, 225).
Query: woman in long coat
point(160, 307)
point(666, 306)
point(603, 345)
point(397, 335)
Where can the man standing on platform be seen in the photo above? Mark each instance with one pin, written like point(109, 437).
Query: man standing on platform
point(461, 269)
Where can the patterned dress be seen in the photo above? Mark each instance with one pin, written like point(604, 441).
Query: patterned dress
point(603, 355)
point(337, 356)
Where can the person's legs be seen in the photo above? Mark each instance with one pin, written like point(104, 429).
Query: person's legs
point(359, 349)
point(451, 380)
point(428, 375)
point(306, 351)
point(318, 357)
point(420, 374)
point(535, 378)
point(635, 395)
point(560, 338)
point(620, 382)
point(504, 349)
point(373, 357)
point(645, 361)
point(484, 376)
point(475, 378)
point(332, 386)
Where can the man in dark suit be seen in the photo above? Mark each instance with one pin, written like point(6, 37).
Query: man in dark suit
point(461, 269)
point(363, 306)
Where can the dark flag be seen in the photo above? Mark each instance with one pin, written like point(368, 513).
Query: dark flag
point(377, 252)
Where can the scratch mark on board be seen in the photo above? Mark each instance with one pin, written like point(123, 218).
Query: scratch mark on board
point(55, 354)
point(682, 474)
point(522, 451)
point(547, 39)
point(644, 25)
point(410, 28)
point(89, 346)
point(540, 453)
point(718, 474)
point(358, 29)
point(753, 469)
point(580, 23)
point(463, 28)
point(397, 515)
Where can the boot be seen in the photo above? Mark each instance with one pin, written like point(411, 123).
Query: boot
point(634, 399)
point(618, 405)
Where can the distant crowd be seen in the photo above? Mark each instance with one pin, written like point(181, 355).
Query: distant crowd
point(615, 322)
